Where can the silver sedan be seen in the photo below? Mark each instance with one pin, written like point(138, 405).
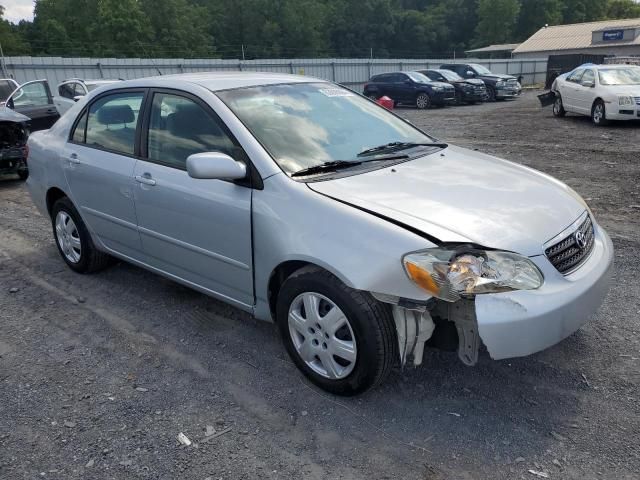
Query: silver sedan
point(363, 238)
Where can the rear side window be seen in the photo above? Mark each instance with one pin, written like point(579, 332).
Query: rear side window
point(180, 127)
point(575, 76)
point(79, 90)
point(6, 88)
point(66, 90)
point(112, 122)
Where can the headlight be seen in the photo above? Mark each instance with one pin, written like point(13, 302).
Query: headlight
point(499, 84)
point(625, 100)
point(437, 88)
point(452, 274)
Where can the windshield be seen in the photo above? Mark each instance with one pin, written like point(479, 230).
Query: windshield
point(418, 77)
point(480, 70)
point(307, 124)
point(619, 76)
point(449, 75)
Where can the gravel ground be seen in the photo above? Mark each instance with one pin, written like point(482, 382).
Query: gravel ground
point(99, 373)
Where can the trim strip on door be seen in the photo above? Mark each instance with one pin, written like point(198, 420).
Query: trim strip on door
point(194, 248)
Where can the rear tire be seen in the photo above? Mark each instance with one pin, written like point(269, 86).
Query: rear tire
point(74, 241)
point(304, 315)
point(558, 108)
point(599, 114)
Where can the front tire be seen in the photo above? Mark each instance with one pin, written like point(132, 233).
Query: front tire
point(491, 94)
point(343, 340)
point(73, 240)
point(558, 108)
point(423, 101)
point(23, 174)
point(599, 114)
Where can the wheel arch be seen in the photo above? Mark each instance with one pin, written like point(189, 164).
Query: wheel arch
point(53, 195)
point(287, 268)
point(596, 100)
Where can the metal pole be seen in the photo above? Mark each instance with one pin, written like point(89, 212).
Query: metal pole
point(243, 52)
point(4, 66)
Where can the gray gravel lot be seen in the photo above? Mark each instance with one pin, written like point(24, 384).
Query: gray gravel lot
point(99, 373)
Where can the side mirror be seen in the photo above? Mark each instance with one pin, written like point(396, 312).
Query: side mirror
point(407, 82)
point(589, 84)
point(215, 165)
point(470, 74)
point(77, 97)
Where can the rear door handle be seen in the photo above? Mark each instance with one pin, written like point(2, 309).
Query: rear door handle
point(145, 179)
point(52, 110)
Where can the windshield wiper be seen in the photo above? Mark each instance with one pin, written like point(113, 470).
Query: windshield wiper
point(397, 146)
point(334, 165)
point(325, 167)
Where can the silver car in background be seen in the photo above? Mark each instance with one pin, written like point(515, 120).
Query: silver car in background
point(297, 200)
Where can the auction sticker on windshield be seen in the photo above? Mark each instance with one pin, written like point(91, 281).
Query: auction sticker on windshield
point(336, 92)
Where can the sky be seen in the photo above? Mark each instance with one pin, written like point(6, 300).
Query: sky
point(16, 10)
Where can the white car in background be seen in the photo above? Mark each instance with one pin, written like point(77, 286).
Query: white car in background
point(72, 90)
point(603, 92)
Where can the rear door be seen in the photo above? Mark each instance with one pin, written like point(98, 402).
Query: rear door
point(197, 230)
point(34, 100)
point(99, 160)
point(64, 100)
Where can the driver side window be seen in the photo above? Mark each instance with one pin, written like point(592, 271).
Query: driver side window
point(180, 127)
point(575, 76)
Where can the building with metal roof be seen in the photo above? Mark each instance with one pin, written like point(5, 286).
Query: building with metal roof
point(502, 50)
point(608, 37)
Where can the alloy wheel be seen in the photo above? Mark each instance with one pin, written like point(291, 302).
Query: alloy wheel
point(322, 336)
point(598, 113)
point(423, 101)
point(68, 237)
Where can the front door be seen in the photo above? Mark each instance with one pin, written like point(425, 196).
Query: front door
point(197, 230)
point(585, 93)
point(34, 100)
point(98, 161)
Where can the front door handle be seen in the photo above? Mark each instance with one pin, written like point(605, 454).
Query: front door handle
point(145, 179)
point(73, 158)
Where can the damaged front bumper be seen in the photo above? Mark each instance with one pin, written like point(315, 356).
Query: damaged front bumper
point(519, 323)
point(511, 324)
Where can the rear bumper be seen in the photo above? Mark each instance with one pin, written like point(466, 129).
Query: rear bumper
point(520, 323)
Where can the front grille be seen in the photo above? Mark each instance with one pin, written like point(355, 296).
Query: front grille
point(569, 253)
point(637, 99)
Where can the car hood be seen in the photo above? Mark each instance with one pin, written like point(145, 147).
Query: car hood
point(472, 81)
point(633, 90)
point(498, 76)
point(459, 195)
point(438, 84)
point(8, 115)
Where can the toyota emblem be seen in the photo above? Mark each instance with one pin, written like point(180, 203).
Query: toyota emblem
point(580, 239)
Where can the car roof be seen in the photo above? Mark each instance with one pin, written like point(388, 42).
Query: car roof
point(216, 81)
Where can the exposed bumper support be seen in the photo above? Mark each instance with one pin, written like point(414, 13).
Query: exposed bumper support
point(463, 314)
point(414, 328)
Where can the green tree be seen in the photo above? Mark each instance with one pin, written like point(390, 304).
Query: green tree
point(623, 9)
point(535, 14)
point(496, 21)
point(577, 11)
point(13, 43)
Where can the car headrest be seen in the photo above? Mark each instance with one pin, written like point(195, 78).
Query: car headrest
point(115, 114)
point(189, 121)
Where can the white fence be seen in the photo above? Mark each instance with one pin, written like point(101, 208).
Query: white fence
point(350, 72)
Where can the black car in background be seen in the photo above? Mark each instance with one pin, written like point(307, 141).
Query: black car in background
point(470, 90)
point(410, 88)
point(499, 86)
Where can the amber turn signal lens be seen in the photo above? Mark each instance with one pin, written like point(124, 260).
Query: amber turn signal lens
point(422, 278)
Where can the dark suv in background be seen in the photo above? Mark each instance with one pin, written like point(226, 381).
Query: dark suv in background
point(499, 86)
point(470, 90)
point(410, 88)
